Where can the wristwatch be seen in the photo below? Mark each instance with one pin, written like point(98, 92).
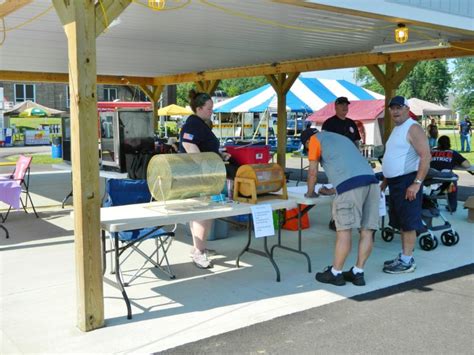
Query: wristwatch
point(418, 181)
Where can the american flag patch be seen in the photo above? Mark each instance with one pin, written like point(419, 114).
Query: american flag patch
point(188, 136)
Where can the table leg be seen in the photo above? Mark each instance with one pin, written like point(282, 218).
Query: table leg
point(299, 250)
point(7, 235)
point(119, 279)
point(266, 253)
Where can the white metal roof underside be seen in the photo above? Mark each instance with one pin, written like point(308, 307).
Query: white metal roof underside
point(201, 37)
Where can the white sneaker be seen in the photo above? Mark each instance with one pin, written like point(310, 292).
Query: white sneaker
point(209, 252)
point(201, 260)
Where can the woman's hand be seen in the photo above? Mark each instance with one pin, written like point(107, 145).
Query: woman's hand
point(225, 156)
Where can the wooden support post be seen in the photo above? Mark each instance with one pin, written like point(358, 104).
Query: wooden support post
point(153, 92)
point(207, 86)
point(390, 81)
point(79, 19)
point(281, 83)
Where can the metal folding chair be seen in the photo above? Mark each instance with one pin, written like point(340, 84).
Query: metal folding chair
point(19, 179)
point(125, 192)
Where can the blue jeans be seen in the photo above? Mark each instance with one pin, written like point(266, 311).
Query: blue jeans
point(432, 142)
point(466, 140)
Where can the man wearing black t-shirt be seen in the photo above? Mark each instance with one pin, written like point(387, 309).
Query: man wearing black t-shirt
point(340, 123)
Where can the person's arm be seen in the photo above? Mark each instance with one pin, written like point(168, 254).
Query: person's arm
point(418, 140)
point(312, 178)
point(190, 147)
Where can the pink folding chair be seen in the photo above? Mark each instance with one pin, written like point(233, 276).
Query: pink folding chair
point(11, 187)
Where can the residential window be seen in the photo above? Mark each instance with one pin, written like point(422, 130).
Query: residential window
point(68, 97)
point(142, 97)
point(24, 92)
point(110, 94)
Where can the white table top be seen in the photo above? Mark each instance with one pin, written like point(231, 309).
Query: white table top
point(121, 218)
point(102, 173)
point(297, 193)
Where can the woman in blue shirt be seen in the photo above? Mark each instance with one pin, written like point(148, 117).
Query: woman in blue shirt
point(196, 136)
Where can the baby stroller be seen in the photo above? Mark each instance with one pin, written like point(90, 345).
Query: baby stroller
point(430, 212)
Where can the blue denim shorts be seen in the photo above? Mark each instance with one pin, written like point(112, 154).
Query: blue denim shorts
point(404, 214)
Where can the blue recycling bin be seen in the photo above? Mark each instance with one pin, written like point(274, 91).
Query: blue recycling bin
point(56, 149)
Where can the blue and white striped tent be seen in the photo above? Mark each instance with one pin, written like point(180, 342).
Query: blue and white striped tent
point(306, 95)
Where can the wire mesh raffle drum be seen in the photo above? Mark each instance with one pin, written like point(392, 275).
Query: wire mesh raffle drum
point(180, 176)
point(254, 180)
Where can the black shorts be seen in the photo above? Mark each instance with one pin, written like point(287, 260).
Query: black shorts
point(404, 214)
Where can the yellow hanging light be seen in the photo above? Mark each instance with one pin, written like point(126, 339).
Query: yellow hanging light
point(157, 4)
point(401, 33)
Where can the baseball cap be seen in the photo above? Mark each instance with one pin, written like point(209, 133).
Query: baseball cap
point(398, 101)
point(342, 100)
point(306, 134)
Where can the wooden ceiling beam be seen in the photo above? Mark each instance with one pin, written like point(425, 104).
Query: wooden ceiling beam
point(106, 11)
point(24, 76)
point(9, 6)
point(458, 49)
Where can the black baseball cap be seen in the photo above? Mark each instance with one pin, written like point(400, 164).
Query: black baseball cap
point(342, 100)
point(306, 134)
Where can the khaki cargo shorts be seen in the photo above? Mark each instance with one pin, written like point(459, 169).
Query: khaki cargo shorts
point(357, 208)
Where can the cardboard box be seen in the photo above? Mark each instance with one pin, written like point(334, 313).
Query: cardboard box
point(469, 204)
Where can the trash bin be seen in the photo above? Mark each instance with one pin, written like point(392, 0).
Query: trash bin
point(56, 149)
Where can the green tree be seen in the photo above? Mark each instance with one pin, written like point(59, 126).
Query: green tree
point(232, 87)
point(365, 78)
point(464, 85)
point(429, 80)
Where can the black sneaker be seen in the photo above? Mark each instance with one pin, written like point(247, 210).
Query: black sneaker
point(392, 261)
point(332, 225)
point(399, 267)
point(327, 277)
point(356, 279)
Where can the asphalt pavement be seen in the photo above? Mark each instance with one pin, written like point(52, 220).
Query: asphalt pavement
point(429, 315)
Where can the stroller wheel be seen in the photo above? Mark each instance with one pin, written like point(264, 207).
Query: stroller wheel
point(449, 238)
point(428, 243)
point(387, 234)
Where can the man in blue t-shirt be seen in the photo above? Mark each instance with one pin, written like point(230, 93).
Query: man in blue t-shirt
point(465, 131)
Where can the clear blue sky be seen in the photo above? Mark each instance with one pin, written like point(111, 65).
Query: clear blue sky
point(336, 74)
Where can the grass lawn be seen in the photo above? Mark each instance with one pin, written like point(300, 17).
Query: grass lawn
point(453, 135)
point(38, 159)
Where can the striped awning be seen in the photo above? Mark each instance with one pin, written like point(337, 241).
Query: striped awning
point(306, 95)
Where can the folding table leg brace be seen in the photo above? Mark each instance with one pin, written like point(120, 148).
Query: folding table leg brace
point(265, 253)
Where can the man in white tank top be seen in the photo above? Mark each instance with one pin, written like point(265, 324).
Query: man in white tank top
point(405, 164)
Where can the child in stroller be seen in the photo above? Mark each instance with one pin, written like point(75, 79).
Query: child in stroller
point(430, 211)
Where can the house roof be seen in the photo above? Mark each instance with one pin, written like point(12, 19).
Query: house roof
point(422, 108)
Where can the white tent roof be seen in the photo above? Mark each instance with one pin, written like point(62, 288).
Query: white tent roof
point(305, 95)
point(423, 108)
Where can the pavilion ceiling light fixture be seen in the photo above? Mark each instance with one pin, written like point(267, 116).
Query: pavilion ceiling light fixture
point(157, 4)
point(401, 33)
point(411, 46)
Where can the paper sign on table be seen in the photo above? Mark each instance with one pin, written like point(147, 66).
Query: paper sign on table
point(262, 221)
